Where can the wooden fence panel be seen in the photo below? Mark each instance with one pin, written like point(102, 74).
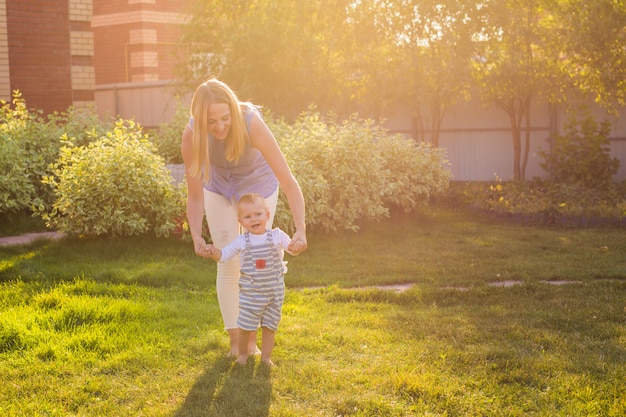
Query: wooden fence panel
point(477, 140)
point(488, 155)
point(148, 103)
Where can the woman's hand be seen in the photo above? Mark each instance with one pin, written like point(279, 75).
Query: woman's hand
point(206, 250)
point(202, 249)
point(298, 243)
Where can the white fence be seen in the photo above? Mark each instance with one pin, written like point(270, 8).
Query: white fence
point(477, 140)
point(479, 143)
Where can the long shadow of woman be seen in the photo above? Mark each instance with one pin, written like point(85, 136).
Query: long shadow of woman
point(227, 389)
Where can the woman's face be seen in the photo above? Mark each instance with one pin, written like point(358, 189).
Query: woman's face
point(218, 120)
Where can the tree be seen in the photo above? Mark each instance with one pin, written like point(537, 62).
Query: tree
point(555, 51)
point(436, 40)
point(344, 56)
point(592, 49)
point(282, 54)
point(511, 67)
point(365, 55)
point(412, 53)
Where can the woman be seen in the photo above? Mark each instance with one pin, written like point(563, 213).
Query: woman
point(229, 151)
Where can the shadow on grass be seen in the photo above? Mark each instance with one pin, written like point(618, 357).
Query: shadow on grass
point(144, 261)
point(226, 389)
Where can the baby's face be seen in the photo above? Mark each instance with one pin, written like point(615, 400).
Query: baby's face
point(253, 217)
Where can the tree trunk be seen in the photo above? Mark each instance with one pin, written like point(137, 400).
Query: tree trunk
point(517, 145)
point(437, 118)
point(418, 127)
point(527, 141)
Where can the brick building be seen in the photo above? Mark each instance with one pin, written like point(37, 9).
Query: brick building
point(46, 52)
point(135, 42)
point(135, 39)
point(60, 52)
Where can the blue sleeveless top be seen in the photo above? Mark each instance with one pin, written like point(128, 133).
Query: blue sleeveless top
point(250, 174)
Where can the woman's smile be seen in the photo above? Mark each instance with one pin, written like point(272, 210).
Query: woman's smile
point(219, 120)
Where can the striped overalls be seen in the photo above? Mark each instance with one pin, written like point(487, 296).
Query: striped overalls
point(261, 285)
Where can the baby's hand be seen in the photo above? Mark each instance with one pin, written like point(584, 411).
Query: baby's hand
point(298, 243)
point(207, 251)
point(295, 247)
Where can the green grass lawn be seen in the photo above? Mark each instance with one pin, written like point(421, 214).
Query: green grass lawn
point(131, 327)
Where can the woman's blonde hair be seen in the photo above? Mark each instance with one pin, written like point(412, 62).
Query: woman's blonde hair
point(210, 92)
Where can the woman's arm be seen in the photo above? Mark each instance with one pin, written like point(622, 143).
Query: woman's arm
point(195, 197)
point(263, 139)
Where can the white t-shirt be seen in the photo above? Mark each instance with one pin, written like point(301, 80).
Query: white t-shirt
point(281, 241)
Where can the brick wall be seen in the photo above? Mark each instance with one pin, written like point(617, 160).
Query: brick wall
point(82, 52)
point(39, 52)
point(50, 52)
point(135, 39)
point(5, 83)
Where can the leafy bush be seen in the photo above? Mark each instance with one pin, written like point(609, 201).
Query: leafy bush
point(579, 192)
point(541, 202)
point(581, 156)
point(29, 144)
point(417, 171)
point(83, 125)
point(16, 187)
point(101, 180)
point(114, 186)
point(354, 172)
point(168, 136)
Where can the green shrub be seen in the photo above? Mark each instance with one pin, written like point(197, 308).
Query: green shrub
point(297, 141)
point(168, 136)
point(114, 186)
point(581, 156)
point(541, 202)
point(108, 180)
point(29, 144)
point(417, 171)
point(580, 191)
point(16, 187)
point(353, 172)
point(83, 125)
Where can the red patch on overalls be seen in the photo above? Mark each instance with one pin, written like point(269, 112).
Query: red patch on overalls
point(260, 263)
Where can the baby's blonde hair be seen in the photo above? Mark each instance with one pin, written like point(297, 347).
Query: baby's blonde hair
point(210, 92)
point(251, 198)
